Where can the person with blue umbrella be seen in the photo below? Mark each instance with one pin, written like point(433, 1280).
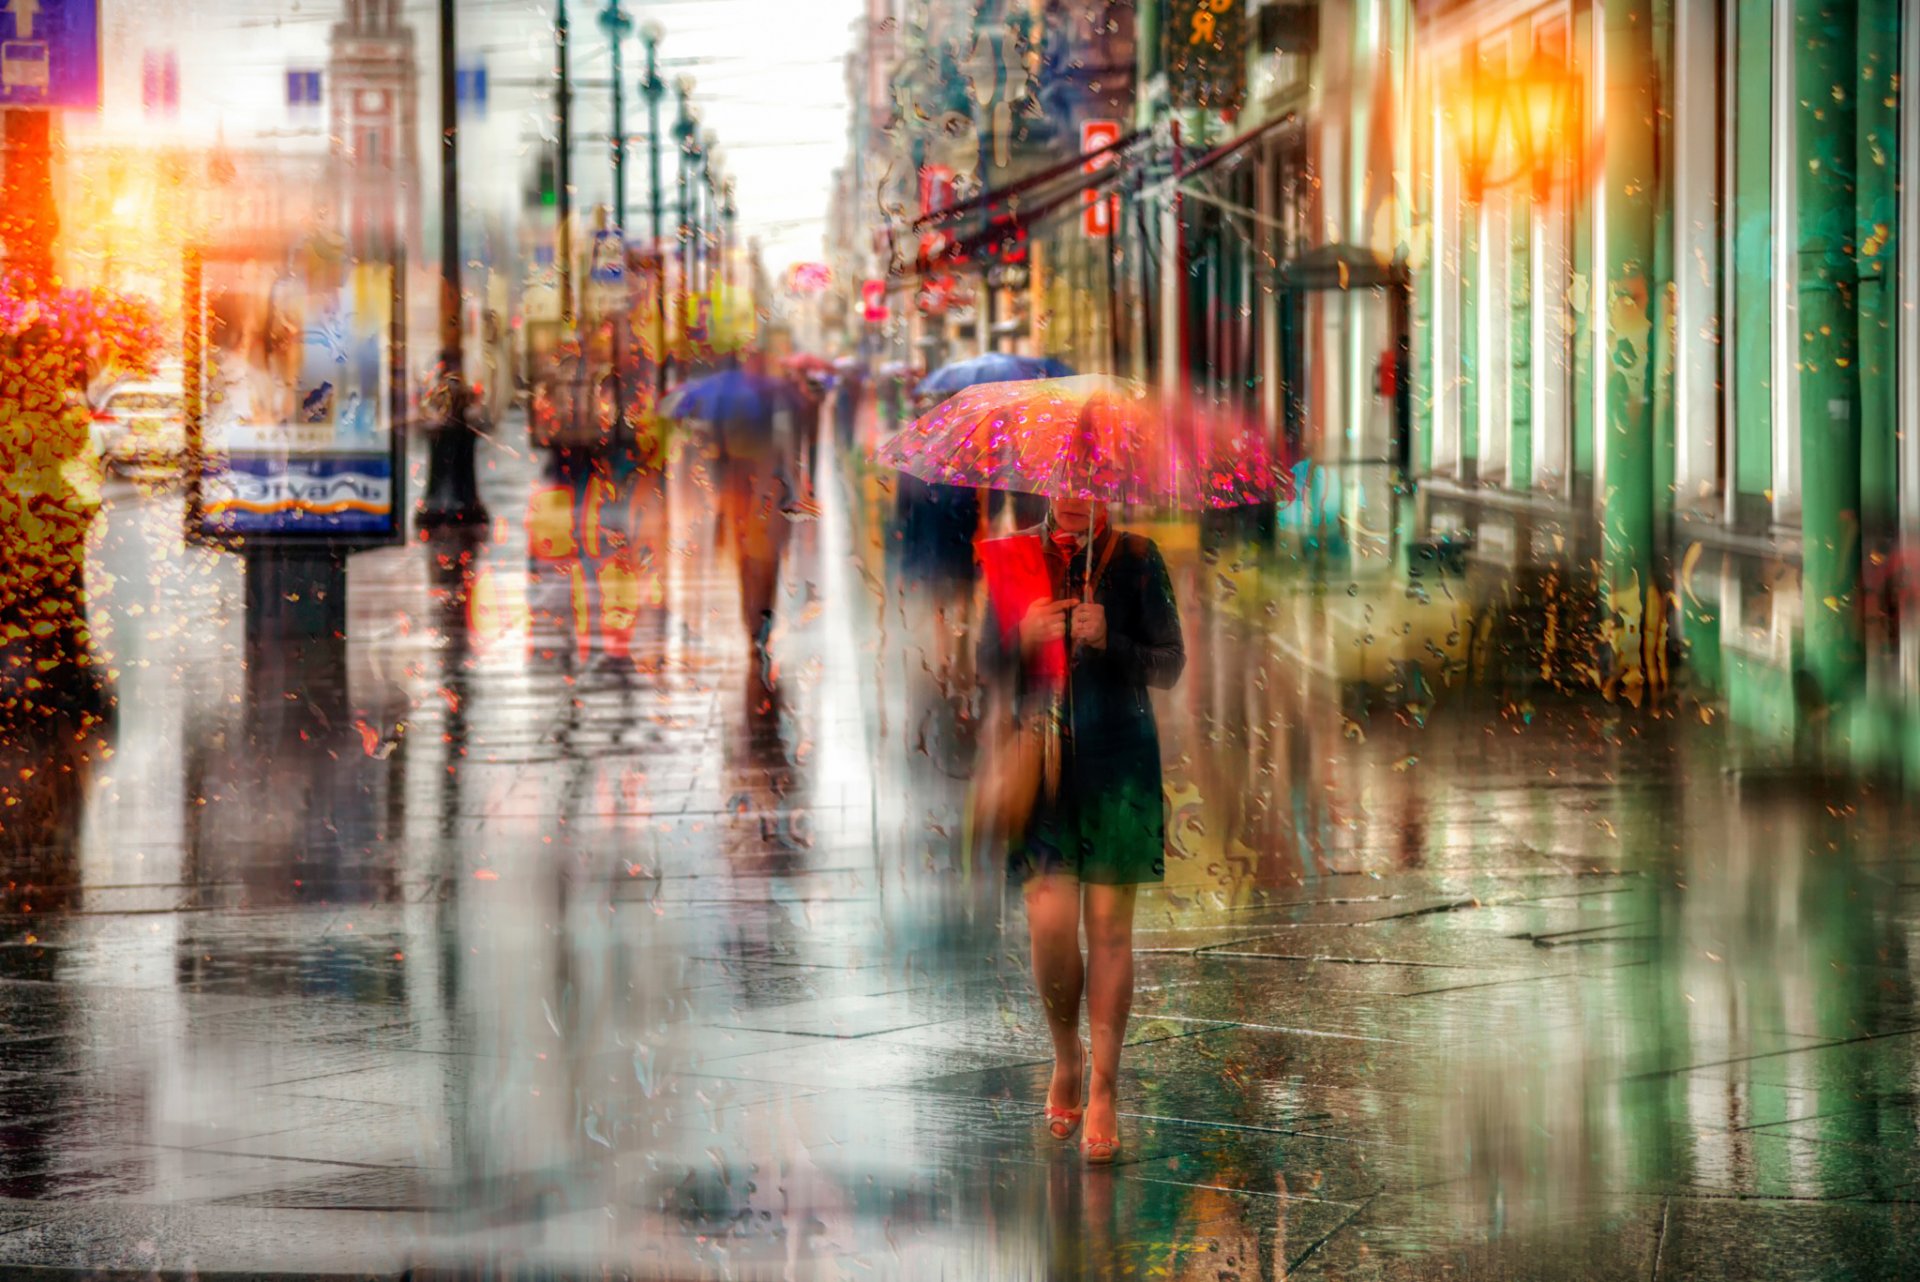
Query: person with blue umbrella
point(988, 367)
point(935, 525)
point(752, 446)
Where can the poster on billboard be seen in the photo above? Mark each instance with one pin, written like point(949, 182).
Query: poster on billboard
point(294, 438)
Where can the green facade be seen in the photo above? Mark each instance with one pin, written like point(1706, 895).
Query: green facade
point(1752, 220)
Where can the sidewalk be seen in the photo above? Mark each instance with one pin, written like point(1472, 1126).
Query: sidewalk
point(589, 958)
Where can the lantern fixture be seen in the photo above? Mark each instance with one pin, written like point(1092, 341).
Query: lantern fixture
point(1538, 104)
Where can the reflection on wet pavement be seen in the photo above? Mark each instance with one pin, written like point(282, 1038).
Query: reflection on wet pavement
point(560, 934)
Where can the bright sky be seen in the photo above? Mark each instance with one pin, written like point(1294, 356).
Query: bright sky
point(769, 81)
point(777, 99)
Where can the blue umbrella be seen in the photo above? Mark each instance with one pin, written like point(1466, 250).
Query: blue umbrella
point(741, 406)
point(993, 367)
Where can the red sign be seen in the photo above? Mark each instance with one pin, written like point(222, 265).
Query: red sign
point(935, 294)
point(1098, 213)
point(873, 300)
point(936, 188)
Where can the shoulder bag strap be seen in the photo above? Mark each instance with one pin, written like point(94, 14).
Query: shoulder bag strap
point(1100, 566)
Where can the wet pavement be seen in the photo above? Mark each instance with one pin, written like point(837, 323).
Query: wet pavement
point(540, 931)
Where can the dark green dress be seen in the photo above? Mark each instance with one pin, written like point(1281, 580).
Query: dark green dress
point(1106, 824)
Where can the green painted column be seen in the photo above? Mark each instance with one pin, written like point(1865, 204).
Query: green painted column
point(1426, 382)
point(1878, 237)
point(1752, 267)
point(1825, 83)
point(1520, 346)
point(1472, 221)
point(1665, 300)
point(1585, 297)
point(1627, 311)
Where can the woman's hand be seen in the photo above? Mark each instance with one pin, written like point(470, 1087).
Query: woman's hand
point(1090, 624)
point(1046, 622)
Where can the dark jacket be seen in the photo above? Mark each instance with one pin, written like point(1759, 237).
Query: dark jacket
point(1109, 715)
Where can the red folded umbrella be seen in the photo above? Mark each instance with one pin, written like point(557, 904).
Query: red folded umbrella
point(1091, 437)
point(1015, 569)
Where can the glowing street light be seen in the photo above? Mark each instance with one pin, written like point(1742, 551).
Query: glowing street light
point(1539, 104)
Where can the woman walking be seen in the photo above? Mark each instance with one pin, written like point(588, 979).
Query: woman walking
point(1097, 829)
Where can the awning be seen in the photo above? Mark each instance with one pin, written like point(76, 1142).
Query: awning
point(1009, 196)
point(994, 224)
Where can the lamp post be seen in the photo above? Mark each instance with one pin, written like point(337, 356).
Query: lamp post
point(452, 497)
point(709, 209)
point(728, 213)
point(655, 89)
point(616, 22)
point(684, 131)
point(563, 163)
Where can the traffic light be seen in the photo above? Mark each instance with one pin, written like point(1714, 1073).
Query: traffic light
point(546, 181)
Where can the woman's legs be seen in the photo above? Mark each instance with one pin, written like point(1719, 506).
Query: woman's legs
point(1053, 923)
point(1109, 973)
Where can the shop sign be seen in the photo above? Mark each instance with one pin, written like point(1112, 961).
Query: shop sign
point(1206, 54)
point(1098, 210)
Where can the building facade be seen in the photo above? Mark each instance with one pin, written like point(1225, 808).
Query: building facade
point(1613, 300)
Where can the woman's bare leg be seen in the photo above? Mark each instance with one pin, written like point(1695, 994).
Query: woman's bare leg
point(1109, 997)
point(1053, 923)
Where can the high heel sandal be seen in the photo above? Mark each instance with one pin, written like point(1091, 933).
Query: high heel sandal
point(1099, 1150)
point(1063, 1122)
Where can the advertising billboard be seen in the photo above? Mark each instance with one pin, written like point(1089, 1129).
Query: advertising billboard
point(295, 435)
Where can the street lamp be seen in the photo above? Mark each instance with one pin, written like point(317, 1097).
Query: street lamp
point(685, 132)
point(452, 497)
point(709, 207)
point(1539, 104)
point(728, 212)
point(1544, 98)
point(655, 89)
point(563, 162)
point(615, 21)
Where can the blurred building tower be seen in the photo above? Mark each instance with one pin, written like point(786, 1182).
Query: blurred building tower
point(374, 118)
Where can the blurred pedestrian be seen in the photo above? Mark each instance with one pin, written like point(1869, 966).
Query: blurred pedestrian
point(846, 404)
point(1083, 658)
point(760, 481)
point(935, 527)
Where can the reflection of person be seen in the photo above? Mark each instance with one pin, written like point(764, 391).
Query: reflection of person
point(1101, 832)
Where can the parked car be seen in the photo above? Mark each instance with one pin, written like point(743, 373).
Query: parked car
point(140, 425)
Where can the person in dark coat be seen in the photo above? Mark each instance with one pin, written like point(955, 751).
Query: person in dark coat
point(1101, 833)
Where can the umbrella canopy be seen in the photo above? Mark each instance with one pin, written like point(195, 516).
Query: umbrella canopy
point(1091, 437)
point(993, 367)
point(740, 405)
point(807, 363)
